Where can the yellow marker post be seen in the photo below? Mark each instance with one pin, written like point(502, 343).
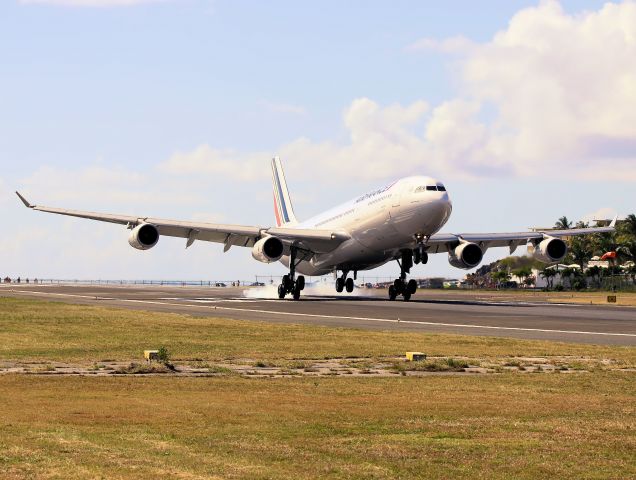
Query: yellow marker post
point(151, 355)
point(415, 356)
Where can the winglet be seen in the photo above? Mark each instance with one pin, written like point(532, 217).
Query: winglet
point(613, 222)
point(24, 200)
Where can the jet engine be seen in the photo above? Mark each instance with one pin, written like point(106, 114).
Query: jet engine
point(144, 236)
point(466, 255)
point(268, 250)
point(549, 250)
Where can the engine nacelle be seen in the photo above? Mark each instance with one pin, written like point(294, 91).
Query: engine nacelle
point(144, 236)
point(268, 250)
point(549, 250)
point(466, 255)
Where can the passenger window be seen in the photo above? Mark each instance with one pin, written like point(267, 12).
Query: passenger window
point(431, 187)
point(441, 188)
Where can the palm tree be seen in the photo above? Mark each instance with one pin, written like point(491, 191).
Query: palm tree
point(595, 273)
point(580, 249)
point(500, 276)
point(563, 223)
point(522, 273)
point(548, 274)
point(567, 273)
point(630, 223)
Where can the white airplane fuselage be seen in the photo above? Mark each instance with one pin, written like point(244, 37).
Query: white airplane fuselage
point(379, 223)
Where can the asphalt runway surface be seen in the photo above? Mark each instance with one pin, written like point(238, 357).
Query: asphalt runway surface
point(460, 313)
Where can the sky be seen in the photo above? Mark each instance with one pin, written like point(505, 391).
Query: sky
point(173, 108)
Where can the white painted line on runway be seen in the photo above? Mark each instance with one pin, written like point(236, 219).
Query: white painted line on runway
point(314, 315)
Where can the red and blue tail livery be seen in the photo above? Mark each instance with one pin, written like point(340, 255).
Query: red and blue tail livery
point(283, 210)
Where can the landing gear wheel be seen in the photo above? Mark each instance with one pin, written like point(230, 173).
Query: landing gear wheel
point(398, 284)
point(424, 257)
point(340, 283)
point(407, 296)
point(349, 285)
point(300, 283)
point(287, 283)
point(411, 287)
point(281, 291)
point(296, 293)
point(392, 293)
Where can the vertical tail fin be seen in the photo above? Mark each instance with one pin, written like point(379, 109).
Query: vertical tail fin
point(282, 202)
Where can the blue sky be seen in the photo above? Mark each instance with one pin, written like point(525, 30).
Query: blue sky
point(173, 109)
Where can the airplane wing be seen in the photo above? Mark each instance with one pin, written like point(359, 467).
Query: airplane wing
point(309, 240)
point(442, 242)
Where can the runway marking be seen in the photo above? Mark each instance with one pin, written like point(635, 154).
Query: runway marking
point(314, 315)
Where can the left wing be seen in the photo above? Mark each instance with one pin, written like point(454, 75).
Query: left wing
point(309, 240)
point(443, 242)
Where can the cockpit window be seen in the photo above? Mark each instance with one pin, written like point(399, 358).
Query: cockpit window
point(441, 188)
point(431, 187)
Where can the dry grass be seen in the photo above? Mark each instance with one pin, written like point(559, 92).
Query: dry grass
point(500, 427)
point(38, 330)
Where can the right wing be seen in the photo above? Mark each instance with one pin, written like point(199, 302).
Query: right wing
point(309, 240)
point(443, 242)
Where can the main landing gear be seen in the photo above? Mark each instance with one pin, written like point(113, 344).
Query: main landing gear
point(291, 284)
point(344, 283)
point(400, 285)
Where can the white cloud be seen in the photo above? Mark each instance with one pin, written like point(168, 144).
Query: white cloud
point(604, 213)
point(5, 193)
point(91, 3)
point(281, 107)
point(216, 162)
point(457, 44)
point(553, 95)
point(564, 91)
point(97, 185)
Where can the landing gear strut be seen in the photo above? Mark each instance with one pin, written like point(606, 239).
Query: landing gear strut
point(289, 283)
point(400, 285)
point(419, 253)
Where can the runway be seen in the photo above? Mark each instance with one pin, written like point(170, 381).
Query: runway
point(460, 313)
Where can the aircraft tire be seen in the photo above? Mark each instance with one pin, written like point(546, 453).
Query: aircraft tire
point(296, 293)
point(398, 284)
point(407, 296)
point(411, 287)
point(281, 291)
point(300, 283)
point(349, 285)
point(339, 285)
point(392, 293)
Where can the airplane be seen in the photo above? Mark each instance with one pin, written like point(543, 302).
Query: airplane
point(400, 221)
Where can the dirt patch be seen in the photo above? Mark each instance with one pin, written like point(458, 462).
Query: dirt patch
point(336, 367)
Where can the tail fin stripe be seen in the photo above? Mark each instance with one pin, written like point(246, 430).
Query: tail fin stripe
point(281, 197)
point(283, 209)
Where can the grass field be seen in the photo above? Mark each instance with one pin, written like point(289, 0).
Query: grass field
point(510, 425)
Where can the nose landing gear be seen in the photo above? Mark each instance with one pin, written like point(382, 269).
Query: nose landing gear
point(400, 285)
point(289, 283)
